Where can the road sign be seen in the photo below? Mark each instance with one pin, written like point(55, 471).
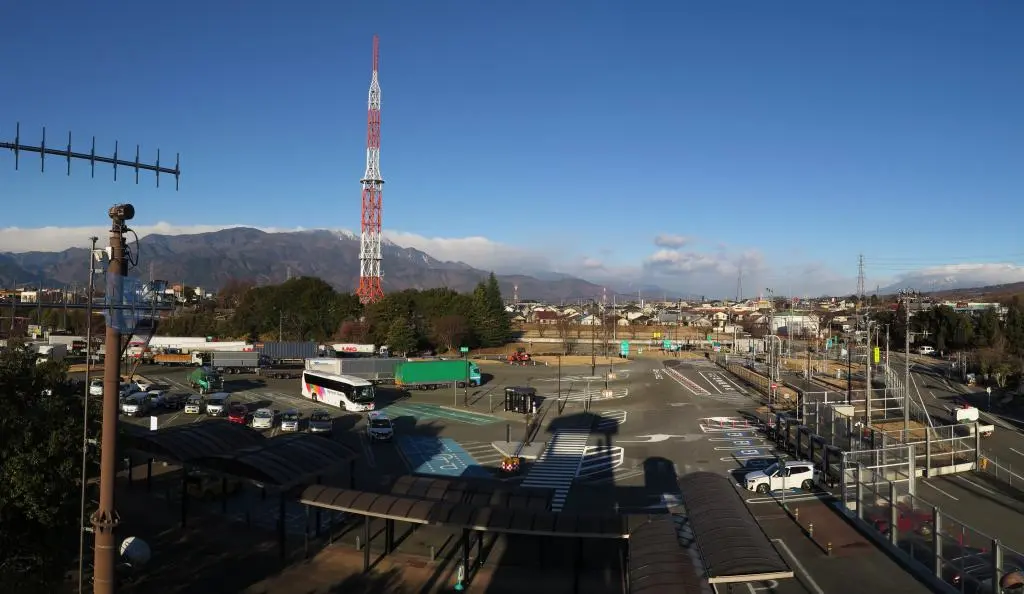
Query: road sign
point(666, 344)
point(775, 386)
point(463, 350)
point(876, 354)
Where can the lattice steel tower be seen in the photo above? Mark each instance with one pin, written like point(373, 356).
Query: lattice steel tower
point(370, 287)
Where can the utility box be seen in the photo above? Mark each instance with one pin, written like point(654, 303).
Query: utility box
point(843, 410)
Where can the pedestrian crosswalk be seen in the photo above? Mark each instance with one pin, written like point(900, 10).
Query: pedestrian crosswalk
point(558, 464)
point(610, 421)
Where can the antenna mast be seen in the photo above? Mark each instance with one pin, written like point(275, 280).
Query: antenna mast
point(370, 286)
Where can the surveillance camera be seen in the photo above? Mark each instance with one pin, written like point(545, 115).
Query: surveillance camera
point(121, 212)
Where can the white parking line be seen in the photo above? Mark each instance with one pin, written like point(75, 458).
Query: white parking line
point(1015, 451)
point(969, 481)
point(173, 417)
point(811, 584)
point(942, 491)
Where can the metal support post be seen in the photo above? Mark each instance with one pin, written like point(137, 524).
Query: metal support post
point(997, 566)
point(912, 469)
point(937, 541)
point(894, 514)
point(867, 378)
point(928, 453)
point(860, 491)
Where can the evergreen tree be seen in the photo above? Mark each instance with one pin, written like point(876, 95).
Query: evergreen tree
point(491, 323)
point(401, 335)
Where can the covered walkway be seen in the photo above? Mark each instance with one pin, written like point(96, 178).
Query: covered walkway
point(732, 544)
point(226, 450)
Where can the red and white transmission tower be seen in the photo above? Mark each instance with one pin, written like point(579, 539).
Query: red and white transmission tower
point(370, 287)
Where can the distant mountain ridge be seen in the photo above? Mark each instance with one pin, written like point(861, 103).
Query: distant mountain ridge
point(210, 259)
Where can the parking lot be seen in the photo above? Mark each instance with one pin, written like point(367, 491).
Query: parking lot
point(660, 424)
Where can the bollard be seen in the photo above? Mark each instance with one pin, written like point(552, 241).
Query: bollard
point(796, 514)
point(828, 549)
point(508, 433)
point(433, 553)
point(810, 530)
point(358, 548)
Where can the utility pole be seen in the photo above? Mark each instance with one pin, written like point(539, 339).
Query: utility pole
point(280, 325)
point(593, 353)
point(105, 519)
point(906, 295)
point(867, 377)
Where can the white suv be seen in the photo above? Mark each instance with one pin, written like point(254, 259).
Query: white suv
point(96, 387)
point(379, 427)
point(783, 476)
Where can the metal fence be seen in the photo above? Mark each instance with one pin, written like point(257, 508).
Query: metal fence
point(1001, 471)
point(965, 558)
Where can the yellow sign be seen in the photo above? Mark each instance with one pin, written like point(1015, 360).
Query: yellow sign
point(876, 354)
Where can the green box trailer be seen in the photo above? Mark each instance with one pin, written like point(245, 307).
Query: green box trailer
point(205, 380)
point(430, 375)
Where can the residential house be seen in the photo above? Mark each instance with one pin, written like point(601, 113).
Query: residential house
point(545, 317)
point(795, 324)
point(590, 320)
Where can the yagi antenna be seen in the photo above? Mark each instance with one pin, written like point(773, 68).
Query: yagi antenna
point(67, 153)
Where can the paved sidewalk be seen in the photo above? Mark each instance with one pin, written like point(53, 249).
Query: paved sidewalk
point(830, 531)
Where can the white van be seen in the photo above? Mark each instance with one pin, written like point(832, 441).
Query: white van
point(925, 350)
point(217, 404)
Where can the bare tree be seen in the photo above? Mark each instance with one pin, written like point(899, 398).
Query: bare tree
point(232, 292)
point(633, 329)
point(542, 329)
point(450, 331)
point(564, 326)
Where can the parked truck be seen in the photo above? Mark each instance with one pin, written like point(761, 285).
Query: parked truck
point(377, 370)
point(231, 362)
point(431, 375)
point(51, 352)
point(279, 353)
point(75, 344)
point(205, 380)
point(177, 359)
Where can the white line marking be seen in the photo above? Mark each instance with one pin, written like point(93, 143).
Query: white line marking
point(942, 491)
point(1016, 451)
point(172, 418)
point(810, 581)
point(986, 489)
point(716, 388)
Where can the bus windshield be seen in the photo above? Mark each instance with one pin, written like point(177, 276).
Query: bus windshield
point(362, 394)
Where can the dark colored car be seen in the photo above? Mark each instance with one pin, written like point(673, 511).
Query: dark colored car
point(909, 521)
point(238, 414)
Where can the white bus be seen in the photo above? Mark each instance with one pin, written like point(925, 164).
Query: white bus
point(343, 391)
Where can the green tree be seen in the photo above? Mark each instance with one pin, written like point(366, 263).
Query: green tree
point(491, 323)
point(40, 457)
point(401, 335)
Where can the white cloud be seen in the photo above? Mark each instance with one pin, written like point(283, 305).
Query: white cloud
point(55, 239)
point(592, 264)
point(666, 240)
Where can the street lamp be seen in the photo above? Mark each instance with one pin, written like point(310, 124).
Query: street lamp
point(906, 295)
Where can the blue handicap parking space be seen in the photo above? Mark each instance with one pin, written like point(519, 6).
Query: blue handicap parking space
point(433, 412)
point(439, 456)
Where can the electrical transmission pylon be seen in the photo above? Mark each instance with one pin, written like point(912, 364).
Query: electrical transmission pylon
point(371, 288)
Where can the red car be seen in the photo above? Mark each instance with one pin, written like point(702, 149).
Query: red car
point(908, 520)
point(238, 414)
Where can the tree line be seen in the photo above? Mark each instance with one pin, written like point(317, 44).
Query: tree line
point(308, 308)
point(996, 342)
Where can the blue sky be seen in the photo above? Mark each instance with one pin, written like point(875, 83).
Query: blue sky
point(791, 135)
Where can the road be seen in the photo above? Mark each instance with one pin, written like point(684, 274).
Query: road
point(693, 420)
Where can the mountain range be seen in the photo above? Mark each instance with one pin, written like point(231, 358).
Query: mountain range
point(209, 260)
